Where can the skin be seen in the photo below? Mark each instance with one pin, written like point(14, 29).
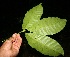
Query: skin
point(10, 47)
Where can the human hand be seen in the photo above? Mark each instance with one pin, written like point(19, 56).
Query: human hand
point(10, 47)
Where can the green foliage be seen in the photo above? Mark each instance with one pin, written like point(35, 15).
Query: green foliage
point(44, 44)
point(41, 28)
point(47, 26)
point(32, 16)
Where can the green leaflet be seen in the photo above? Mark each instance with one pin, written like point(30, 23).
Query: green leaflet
point(32, 16)
point(41, 28)
point(44, 44)
point(48, 26)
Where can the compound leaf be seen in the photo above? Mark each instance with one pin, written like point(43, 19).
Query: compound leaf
point(41, 28)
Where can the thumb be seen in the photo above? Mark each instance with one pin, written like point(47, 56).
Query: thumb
point(7, 45)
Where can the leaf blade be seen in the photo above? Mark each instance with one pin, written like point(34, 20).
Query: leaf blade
point(32, 16)
point(44, 44)
point(48, 26)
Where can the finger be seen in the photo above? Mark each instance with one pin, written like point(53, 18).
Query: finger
point(12, 39)
point(19, 38)
point(14, 35)
point(17, 41)
point(14, 49)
